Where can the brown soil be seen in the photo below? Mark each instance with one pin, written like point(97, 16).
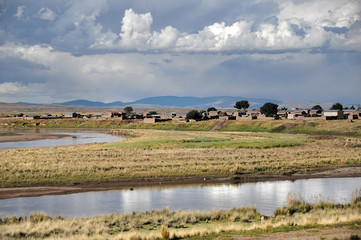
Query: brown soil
point(310, 234)
point(87, 187)
point(30, 137)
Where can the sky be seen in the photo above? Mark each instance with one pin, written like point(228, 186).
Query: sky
point(56, 51)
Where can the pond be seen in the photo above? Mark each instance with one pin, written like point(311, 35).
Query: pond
point(77, 136)
point(265, 196)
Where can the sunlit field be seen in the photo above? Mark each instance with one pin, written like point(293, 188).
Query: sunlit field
point(152, 155)
point(165, 224)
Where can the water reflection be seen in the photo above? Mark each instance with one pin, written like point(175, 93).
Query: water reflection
point(78, 136)
point(265, 196)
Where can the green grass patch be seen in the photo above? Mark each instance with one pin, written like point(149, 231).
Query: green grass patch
point(177, 139)
point(8, 134)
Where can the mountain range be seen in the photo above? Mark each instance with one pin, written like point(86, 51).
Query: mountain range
point(189, 102)
point(175, 102)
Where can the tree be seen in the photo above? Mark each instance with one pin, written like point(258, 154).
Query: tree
point(211, 109)
point(317, 107)
point(128, 110)
point(242, 104)
point(194, 114)
point(153, 113)
point(336, 106)
point(269, 109)
point(284, 109)
point(352, 107)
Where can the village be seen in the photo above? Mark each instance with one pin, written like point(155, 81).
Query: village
point(153, 116)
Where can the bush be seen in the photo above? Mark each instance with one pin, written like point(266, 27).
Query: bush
point(269, 109)
point(38, 217)
point(194, 114)
point(164, 231)
point(337, 106)
point(242, 104)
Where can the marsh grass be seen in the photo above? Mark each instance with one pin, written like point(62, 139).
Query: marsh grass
point(295, 204)
point(166, 224)
point(161, 155)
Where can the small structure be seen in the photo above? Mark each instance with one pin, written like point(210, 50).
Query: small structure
point(351, 114)
point(179, 119)
point(31, 117)
point(333, 114)
point(253, 114)
point(315, 113)
point(283, 114)
point(120, 115)
point(72, 115)
point(213, 114)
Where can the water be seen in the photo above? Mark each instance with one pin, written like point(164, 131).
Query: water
point(265, 196)
point(77, 137)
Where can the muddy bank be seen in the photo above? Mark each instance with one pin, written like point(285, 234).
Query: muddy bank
point(130, 184)
point(20, 137)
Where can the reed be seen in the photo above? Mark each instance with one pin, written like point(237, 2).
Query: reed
point(166, 224)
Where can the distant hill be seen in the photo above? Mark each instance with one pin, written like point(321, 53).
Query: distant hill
point(26, 103)
point(175, 102)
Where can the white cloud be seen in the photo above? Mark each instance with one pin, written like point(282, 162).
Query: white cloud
point(20, 12)
point(129, 76)
point(20, 89)
point(47, 14)
point(299, 27)
point(165, 39)
point(135, 31)
point(11, 88)
point(330, 13)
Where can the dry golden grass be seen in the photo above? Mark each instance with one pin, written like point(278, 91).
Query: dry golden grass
point(159, 224)
point(99, 163)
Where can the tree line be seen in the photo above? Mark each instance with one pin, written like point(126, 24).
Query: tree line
point(268, 109)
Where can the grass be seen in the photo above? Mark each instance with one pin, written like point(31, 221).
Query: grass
point(239, 150)
point(314, 127)
point(151, 155)
point(164, 224)
point(177, 139)
point(7, 134)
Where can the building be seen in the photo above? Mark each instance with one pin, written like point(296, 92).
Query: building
point(333, 114)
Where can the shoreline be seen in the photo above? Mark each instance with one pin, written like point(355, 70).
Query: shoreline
point(16, 192)
point(22, 137)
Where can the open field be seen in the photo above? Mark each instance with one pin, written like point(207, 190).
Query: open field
point(154, 156)
point(243, 223)
point(318, 127)
point(238, 151)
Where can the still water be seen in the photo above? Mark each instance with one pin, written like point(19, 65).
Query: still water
point(265, 196)
point(77, 136)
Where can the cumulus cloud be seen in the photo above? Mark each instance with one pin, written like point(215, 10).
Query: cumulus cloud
point(87, 49)
point(20, 12)
point(299, 26)
point(46, 14)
